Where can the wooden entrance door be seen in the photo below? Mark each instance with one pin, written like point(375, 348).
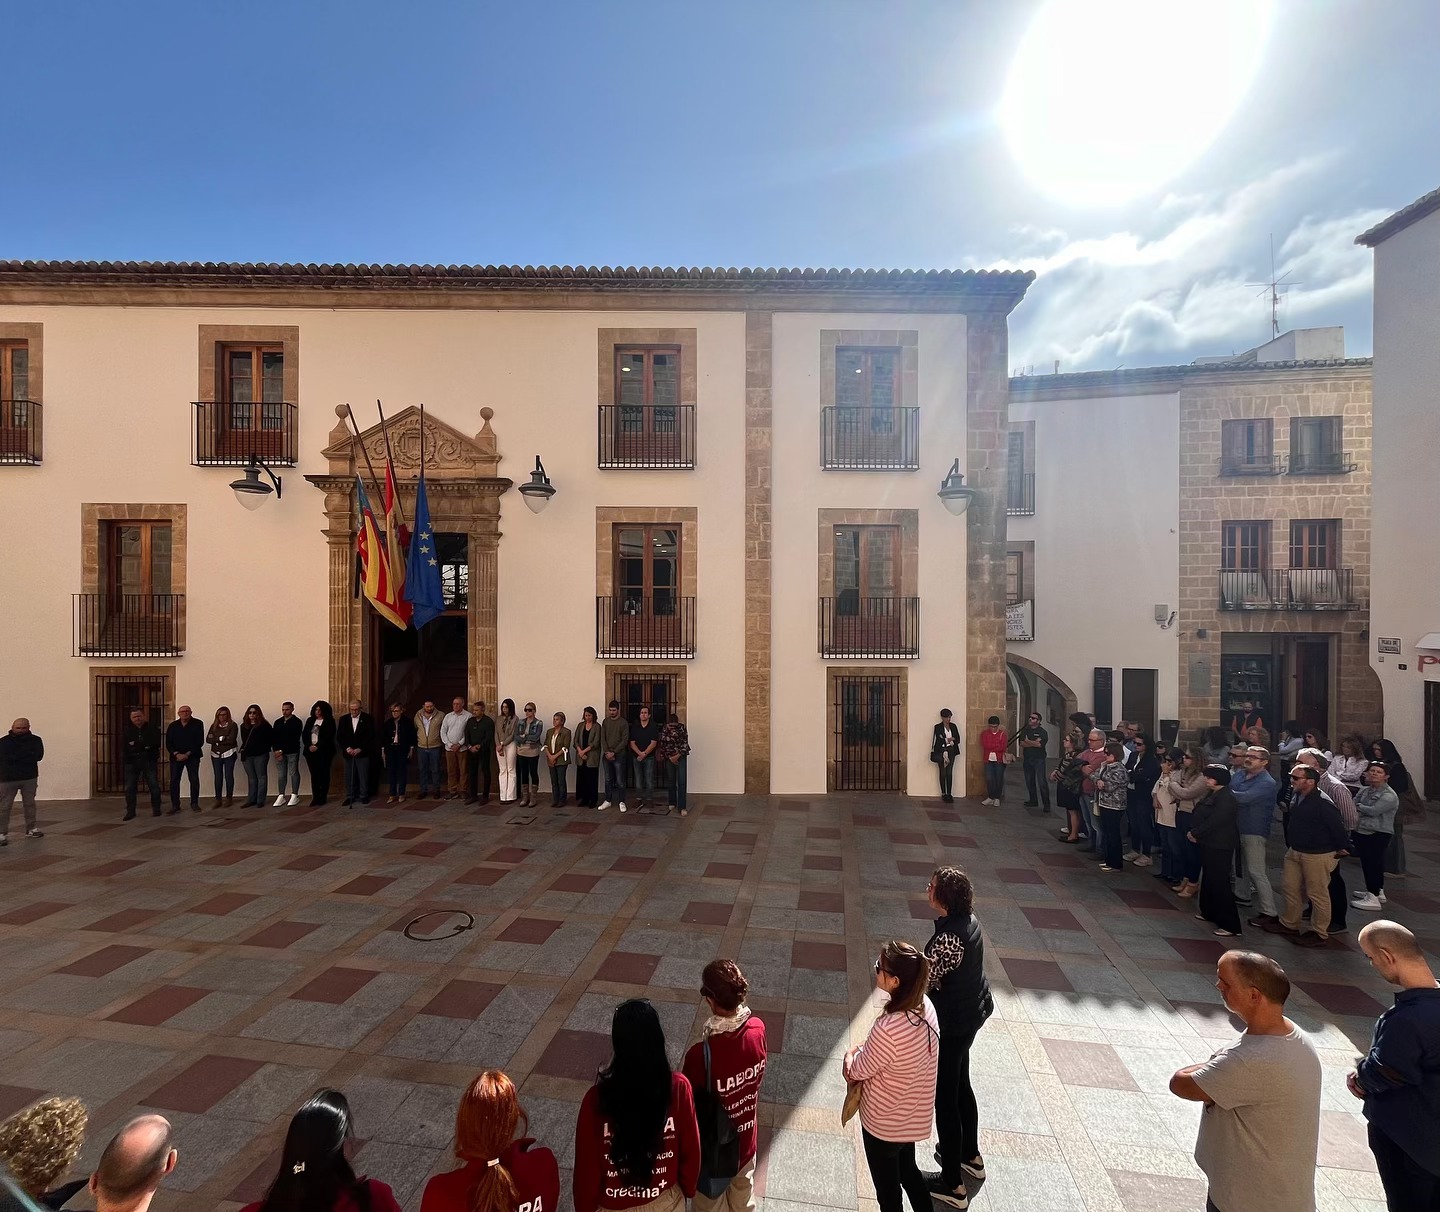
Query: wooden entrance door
point(251, 414)
point(647, 398)
point(1312, 684)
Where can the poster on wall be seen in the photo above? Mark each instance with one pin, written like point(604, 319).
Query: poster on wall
point(1020, 621)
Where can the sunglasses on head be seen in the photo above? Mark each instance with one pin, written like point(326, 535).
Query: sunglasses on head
point(879, 968)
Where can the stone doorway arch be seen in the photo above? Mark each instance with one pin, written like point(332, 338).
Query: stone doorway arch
point(1040, 673)
point(464, 490)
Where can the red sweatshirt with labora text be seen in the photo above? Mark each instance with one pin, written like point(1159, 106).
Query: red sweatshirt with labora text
point(599, 1185)
point(737, 1067)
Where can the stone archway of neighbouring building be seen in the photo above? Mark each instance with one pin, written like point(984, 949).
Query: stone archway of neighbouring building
point(463, 488)
point(1056, 684)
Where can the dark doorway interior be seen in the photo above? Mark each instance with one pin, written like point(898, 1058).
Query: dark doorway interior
point(1312, 684)
point(1432, 740)
point(1138, 695)
point(417, 665)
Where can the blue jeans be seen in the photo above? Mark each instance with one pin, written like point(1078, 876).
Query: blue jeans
point(430, 763)
point(994, 779)
point(257, 779)
point(1189, 851)
point(614, 778)
point(224, 775)
point(1110, 832)
point(289, 764)
point(677, 784)
point(191, 767)
point(644, 776)
point(144, 768)
point(1172, 853)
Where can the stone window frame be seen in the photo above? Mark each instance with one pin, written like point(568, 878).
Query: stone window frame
point(611, 339)
point(646, 669)
point(1026, 551)
point(34, 337)
point(683, 518)
point(907, 521)
point(161, 673)
point(906, 340)
point(214, 336)
point(901, 675)
point(93, 515)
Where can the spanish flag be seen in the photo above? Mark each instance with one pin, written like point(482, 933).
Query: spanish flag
point(375, 566)
point(397, 542)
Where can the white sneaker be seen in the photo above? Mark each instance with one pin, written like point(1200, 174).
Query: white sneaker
point(1143, 860)
point(1131, 855)
point(622, 805)
point(1382, 896)
point(279, 801)
point(1367, 902)
point(294, 799)
point(604, 806)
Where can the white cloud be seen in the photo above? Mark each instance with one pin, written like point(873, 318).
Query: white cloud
point(1187, 286)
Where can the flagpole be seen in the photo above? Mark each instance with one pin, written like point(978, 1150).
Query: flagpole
point(359, 441)
point(390, 459)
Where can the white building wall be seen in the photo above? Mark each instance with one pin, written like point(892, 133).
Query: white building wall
point(1107, 512)
point(1405, 504)
point(802, 488)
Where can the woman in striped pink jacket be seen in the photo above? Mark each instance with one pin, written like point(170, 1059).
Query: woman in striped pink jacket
point(897, 1065)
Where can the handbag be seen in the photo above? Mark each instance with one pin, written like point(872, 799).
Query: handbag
point(852, 1102)
point(719, 1142)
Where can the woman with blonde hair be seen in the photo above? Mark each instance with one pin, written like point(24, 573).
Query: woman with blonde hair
point(896, 1068)
point(40, 1144)
point(1351, 763)
point(224, 741)
point(501, 1172)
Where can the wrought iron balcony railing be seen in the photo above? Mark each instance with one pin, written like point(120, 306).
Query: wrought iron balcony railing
point(658, 625)
point(21, 431)
point(1020, 495)
point(227, 435)
point(1287, 589)
point(1252, 465)
point(1324, 463)
point(129, 624)
point(646, 437)
point(869, 439)
point(878, 628)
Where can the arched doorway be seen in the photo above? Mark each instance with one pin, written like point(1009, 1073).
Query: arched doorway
point(1032, 687)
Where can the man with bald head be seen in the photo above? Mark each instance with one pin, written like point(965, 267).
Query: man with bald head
point(133, 1165)
point(21, 752)
point(1400, 1077)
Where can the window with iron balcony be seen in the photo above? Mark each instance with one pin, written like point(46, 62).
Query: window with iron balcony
point(20, 415)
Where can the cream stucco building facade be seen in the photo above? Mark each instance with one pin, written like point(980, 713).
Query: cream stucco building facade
point(746, 527)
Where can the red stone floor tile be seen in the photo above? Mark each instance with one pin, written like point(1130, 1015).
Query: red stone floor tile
point(1198, 950)
point(302, 827)
point(126, 919)
point(163, 833)
point(575, 881)
point(405, 832)
point(508, 854)
point(961, 840)
point(915, 867)
point(228, 858)
point(1058, 860)
point(92, 830)
point(1138, 899)
point(822, 862)
point(866, 820)
point(632, 864)
point(158, 1007)
point(34, 862)
point(105, 961)
point(1088, 1064)
point(738, 841)
point(822, 902)
point(722, 871)
point(1018, 875)
point(529, 930)
point(706, 913)
point(113, 867)
point(203, 1084)
point(366, 885)
point(428, 849)
point(574, 1054)
point(483, 876)
point(774, 1030)
point(1342, 999)
point(906, 837)
point(590, 826)
point(462, 999)
point(26, 914)
point(628, 968)
point(281, 934)
point(719, 809)
point(1037, 974)
point(423, 806)
point(335, 986)
point(794, 805)
point(819, 957)
point(1156, 1192)
point(16, 1098)
point(827, 833)
point(308, 862)
point(1045, 918)
point(225, 902)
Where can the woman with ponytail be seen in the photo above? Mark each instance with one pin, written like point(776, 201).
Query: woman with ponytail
point(315, 1172)
point(637, 1142)
point(500, 1171)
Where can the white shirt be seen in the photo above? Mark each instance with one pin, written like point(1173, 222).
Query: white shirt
point(452, 727)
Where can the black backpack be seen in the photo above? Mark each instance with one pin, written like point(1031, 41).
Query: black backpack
point(719, 1143)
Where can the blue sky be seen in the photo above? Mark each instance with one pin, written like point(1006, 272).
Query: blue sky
point(781, 133)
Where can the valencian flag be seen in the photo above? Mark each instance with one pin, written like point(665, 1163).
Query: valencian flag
point(375, 579)
point(397, 538)
point(422, 572)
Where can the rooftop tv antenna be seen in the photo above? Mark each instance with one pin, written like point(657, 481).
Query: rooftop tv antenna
point(1272, 290)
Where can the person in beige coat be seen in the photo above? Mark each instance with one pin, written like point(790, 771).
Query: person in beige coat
point(556, 748)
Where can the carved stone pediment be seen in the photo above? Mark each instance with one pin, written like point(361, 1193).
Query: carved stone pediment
point(449, 453)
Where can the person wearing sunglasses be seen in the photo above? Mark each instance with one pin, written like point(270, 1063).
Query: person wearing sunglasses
point(1034, 744)
point(1318, 840)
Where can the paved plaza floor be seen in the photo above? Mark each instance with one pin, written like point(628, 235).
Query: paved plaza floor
point(218, 967)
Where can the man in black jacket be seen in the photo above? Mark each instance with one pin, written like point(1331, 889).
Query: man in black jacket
point(21, 752)
point(479, 752)
point(1215, 828)
point(184, 741)
point(140, 748)
point(1318, 840)
point(285, 734)
point(355, 734)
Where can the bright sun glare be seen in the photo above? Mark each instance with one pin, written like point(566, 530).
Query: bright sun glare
point(1109, 99)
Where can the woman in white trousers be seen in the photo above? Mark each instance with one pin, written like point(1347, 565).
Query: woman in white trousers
point(505, 750)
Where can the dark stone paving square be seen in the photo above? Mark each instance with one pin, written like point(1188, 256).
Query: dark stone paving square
point(1138, 899)
point(1058, 860)
point(628, 968)
point(820, 957)
point(508, 854)
point(1088, 1064)
point(821, 833)
point(823, 862)
point(334, 986)
point(961, 840)
point(302, 827)
point(906, 837)
point(1342, 999)
point(203, 1084)
point(228, 858)
point(1037, 974)
point(1018, 875)
point(866, 820)
point(92, 830)
point(26, 914)
point(365, 885)
point(724, 871)
point(575, 881)
point(483, 877)
point(405, 833)
point(308, 862)
point(910, 867)
point(529, 930)
point(126, 919)
point(428, 849)
point(1043, 918)
point(822, 902)
point(632, 864)
point(163, 833)
point(574, 1054)
point(1197, 950)
point(158, 1007)
point(225, 902)
point(104, 961)
point(584, 827)
point(707, 913)
point(462, 999)
point(774, 1030)
point(113, 867)
point(281, 934)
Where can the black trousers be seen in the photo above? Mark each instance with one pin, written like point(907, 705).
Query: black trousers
point(134, 772)
point(319, 764)
point(1371, 848)
point(1217, 892)
point(1339, 900)
point(1037, 786)
point(947, 777)
point(1408, 1187)
point(191, 766)
point(587, 785)
point(957, 1118)
point(477, 771)
point(892, 1170)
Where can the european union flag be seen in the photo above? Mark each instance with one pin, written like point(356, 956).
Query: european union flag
point(422, 567)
